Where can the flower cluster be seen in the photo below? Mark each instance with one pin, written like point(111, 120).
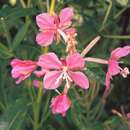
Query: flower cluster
point(67, 71)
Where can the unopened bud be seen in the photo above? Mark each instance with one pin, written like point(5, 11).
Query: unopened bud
point(13, 2)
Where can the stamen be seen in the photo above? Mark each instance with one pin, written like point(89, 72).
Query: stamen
point(67, 83)
point(64, 75)
point(58, 91)
point(125, 72)
point(68, 77)
point(63, 35)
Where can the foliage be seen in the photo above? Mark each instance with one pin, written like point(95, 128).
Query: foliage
point(90, 111)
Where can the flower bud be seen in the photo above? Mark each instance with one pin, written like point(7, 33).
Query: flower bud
point(13, 2)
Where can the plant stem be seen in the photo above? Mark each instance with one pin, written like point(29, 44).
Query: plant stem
point(106, 15)
point(44, 50)
point(37, 104)
point(47, 5)
point(36, 108)
point(117, 36)
point(23, 3)
point(52, 7)
point(45, 111)
point(121, 11)
point(29, 3)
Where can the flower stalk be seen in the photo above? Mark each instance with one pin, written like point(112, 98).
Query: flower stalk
point(37, 105)
point(36, 108)
point(52, 7)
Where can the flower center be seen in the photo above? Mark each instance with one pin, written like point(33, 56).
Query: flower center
point(64, 75)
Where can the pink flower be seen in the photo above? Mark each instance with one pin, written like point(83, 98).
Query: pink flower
point(51, 27)
point(60, 104)
point(113, 64)
point(22, 69)
point(128, 115)
point(67, 69)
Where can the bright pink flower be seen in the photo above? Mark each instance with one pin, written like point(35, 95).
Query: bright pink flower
point(51, 27)
point(22, 69)
point(113, 64)
point(67, 69)
point(60, 104)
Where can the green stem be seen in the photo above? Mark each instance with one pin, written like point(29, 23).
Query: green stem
point(37, 105)
point(44, 50)
point(47, 5)
point(29, 3)
point(23, 3)
point(36, 108)
point(121, 11)
point(45, 112)
point(117, 36)
point(52, 7)
point(41, 5)
point(106, 15)
point(7, 33)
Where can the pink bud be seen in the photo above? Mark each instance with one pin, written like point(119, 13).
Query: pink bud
point(60, 104)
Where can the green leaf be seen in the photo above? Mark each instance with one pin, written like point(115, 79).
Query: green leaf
point(14, 115)
point(14, 13)
point(5, 53)
point(20, 35)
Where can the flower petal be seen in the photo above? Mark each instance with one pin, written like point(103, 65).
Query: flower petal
point(107, 81)
point(60, 104)
point(22, 69)
point(120, 52)
point(80, 79)
point(51, 80)
point(75, 61)
point(49, 61)
point(45, 38)
point(66, 15)
point(113, 68)
point(45, 21)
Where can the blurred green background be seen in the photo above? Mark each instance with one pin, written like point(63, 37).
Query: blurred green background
point(108, 18)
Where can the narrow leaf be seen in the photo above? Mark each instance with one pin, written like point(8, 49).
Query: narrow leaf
point(5, 53)
point(20, 35)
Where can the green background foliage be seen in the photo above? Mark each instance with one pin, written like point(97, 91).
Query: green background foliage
point(18, 103)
